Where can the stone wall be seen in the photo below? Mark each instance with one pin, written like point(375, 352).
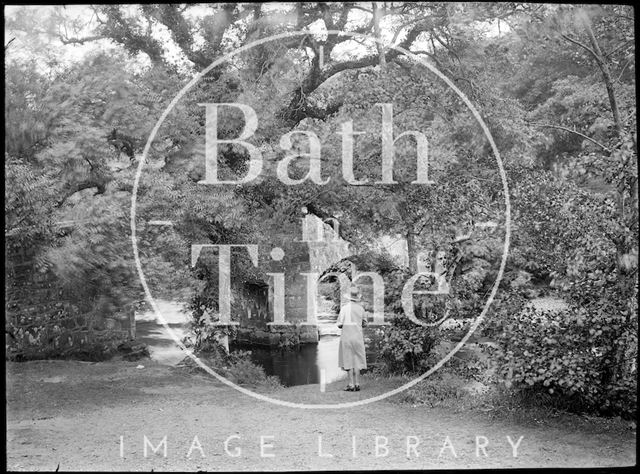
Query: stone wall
point(41, 321)
point(281, 335)
point(262, 327)
point(319, 247)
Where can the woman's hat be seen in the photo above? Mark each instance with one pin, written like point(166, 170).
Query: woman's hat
point(354, 294)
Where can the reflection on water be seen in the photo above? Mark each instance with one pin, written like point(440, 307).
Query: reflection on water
point(304, 365)
point(294, 367)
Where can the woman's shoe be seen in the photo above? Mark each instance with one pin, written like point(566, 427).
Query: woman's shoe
point(350, 388)
point(356, 388)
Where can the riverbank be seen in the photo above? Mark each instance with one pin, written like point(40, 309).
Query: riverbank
point(95, 416)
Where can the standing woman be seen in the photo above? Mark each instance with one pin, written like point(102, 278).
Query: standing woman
point(351, 355)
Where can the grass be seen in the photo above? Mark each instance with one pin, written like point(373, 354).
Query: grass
point(445, 390)
point(448, 390)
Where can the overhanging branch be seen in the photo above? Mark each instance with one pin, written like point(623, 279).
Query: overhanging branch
point(294, 113)
point(583, 46)
point(559, 127)
point(86, 39)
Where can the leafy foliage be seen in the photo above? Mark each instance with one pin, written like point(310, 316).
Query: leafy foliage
point(236, 366)
point(407, 348)
point(556, 87)
point(27, 205)
point(570, 354)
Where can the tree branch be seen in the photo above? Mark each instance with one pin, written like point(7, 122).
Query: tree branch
point(91, 183)
point(344, 15)
point(617, 48)
point(583, 46)
point(358, 7)
point(377, 14)
point(90, 164)
point(294, 113)
point(86, 39)
point(128, 34)
point(606, 75)
point(623, 68)
point(559, 127)
point(171, 17)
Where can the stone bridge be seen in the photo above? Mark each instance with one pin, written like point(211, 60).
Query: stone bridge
point(285, 312)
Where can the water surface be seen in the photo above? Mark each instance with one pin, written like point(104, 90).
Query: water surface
point(301, 366)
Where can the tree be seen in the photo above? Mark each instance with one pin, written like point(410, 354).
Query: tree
point(555, 87)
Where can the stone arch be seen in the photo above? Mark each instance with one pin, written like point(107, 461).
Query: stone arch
point(373, 300)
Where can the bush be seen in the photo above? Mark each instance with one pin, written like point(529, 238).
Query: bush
point(236, 366)
point(569, 355)
point(580, 240)
point(242, 369)
point(407, 347)
point(204, 333)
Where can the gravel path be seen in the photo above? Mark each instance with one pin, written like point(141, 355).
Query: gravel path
point(73, 414)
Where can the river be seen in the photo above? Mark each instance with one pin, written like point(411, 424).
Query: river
point(305, 365)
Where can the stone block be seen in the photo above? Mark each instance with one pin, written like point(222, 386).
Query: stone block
point(274, 338)
point(309, 333)
point(286, 328)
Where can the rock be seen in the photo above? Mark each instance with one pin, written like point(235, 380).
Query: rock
point(532, 293)
point(549, 303)
point(133, 356)
point(522, 278)
point(133, 350)
point(131, 346)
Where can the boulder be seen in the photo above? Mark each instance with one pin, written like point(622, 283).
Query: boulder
point(133, 350)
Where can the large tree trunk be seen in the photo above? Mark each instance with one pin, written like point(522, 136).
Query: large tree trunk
point(606, 75)
point(378, 13)
point(626, 207)
point(627, 204)
point(412, 251)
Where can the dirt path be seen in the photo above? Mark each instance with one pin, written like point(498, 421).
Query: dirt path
point(73, 414)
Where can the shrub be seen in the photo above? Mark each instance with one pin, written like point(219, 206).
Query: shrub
point(407, 347)
point(569, 354)
point(204, 333)
point(242, 369)
point(236, 366)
